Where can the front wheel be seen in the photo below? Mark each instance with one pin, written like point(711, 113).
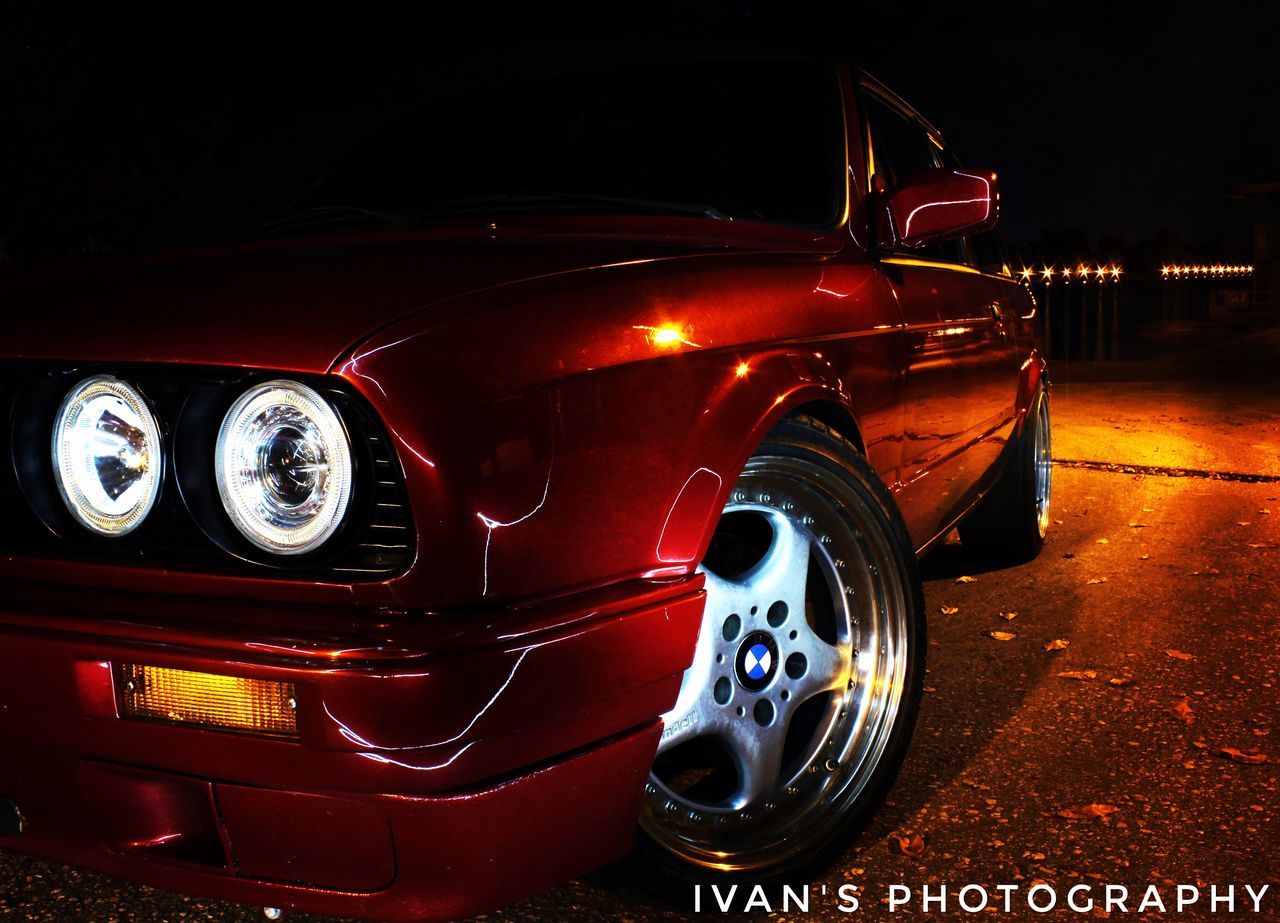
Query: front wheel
point(793, 720)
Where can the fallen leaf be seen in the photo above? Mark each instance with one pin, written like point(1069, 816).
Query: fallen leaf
point(1148, 509)
point(1008, 616)
point(910, 845)
point(1183, 710)
point(1088, 810)
point(1264, 512)
point(1144, 557)
point(1002, 635)
point(1137, 525)
point(966, 579)
point(948, 610)
point(1094, 581)
point(1249, 757)
point(1079, 674)
point(930, 688)
point(1119, 681)
point(1242, 523)
point(1180, 655)
point(1057, 644)
point(1103, 541)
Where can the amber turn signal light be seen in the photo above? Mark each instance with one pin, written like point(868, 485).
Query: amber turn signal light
point(208, 700)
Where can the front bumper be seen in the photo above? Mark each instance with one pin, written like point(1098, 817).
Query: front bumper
point(445, 765)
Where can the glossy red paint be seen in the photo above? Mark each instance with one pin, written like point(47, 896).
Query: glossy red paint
point(412, 732)
point(932, 205)
point(571, 399)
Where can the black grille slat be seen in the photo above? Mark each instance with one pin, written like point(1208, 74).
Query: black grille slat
point(381, 546)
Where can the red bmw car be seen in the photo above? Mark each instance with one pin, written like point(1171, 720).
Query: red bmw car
point(544, 487)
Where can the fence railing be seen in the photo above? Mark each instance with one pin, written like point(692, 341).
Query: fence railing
point(1097, 316)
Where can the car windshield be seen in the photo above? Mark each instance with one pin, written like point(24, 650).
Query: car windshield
point(753, 140)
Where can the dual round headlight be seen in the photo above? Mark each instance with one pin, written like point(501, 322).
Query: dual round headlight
point(282, 462)
point(284, 467)
point(106, 455)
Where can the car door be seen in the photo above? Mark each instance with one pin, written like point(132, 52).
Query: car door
point(960, 358)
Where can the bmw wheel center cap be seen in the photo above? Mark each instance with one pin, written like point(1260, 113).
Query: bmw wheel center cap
point(757, 661)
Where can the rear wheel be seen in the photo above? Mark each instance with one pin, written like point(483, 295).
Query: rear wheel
point(1012, 520)
point(793, 720)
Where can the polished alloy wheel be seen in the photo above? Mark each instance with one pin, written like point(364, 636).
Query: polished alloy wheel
point(799, 672)
point(1042, 449)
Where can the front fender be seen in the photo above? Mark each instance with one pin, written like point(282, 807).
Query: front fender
point(763, 389)
point(584, 432)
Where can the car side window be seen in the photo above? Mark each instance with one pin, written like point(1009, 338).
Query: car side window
point(989, 253)
point(898, 145)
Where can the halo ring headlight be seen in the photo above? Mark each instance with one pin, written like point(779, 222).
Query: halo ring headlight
point(284, 467)
point(107, 455)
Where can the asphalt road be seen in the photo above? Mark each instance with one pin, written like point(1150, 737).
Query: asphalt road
point(1160, 573)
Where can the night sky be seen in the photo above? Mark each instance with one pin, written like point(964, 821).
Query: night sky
point(126, 131)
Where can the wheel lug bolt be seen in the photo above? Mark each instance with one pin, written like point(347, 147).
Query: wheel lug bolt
point(650, 789)
point(671, 806)
point(831, 765)
point(695, 817)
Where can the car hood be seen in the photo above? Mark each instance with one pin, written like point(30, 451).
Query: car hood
point(297, 305)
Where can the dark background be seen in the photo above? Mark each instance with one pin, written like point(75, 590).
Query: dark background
point(1109, 123)
point(1118, 129)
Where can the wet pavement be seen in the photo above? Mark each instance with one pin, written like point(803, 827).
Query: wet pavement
point(1143, 750)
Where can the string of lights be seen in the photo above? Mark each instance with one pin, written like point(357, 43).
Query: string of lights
point(1082, 273)
point(1048, 274)
point(1200, 271)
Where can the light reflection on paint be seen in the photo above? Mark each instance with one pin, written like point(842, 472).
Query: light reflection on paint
point(491, 524)
point(950, 331)
point(668, 335)
point(674, 506)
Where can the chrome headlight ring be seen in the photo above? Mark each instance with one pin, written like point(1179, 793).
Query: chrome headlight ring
point(108, 458)
point(284, 467)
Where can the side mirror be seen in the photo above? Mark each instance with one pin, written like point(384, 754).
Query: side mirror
point(932, 205)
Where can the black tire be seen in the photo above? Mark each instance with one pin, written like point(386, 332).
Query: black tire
point(1010, 521)
point(816, 838)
